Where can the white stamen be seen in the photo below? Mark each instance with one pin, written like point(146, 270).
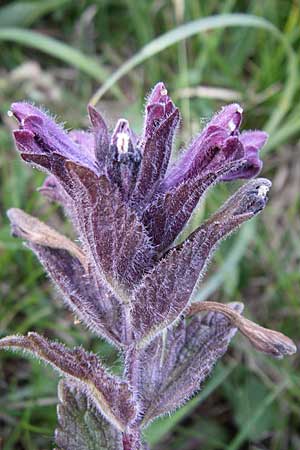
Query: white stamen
point(122, 142)
point(263, 190)
point(10, 113)
point(239, 110)
point(163, 91)
point(231, 125)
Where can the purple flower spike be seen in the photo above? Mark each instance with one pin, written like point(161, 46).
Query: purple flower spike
point(126, 280)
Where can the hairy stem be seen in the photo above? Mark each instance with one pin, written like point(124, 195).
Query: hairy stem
point(132, 437)
point(132, 440)
point(132, 368)
point(127, 328)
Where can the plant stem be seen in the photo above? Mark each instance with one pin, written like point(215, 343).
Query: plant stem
point(132, 437)
point(132, 368)
point(132, 440)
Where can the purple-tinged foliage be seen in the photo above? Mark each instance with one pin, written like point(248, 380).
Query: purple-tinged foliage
point(114, 238)
point(167, 215)
point(175, 365)
point(93, 304)
point(54, 191)
point(112, 396)
point(126, 280)
point(79, 424)
point(165, 292)
point(156, 151)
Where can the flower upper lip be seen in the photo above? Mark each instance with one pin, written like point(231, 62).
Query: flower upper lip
point(39, 134)
point(223, 136)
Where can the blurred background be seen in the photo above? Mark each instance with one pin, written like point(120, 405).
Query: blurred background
point(58, 53)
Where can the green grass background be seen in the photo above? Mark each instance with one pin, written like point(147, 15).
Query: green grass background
point(59, 53)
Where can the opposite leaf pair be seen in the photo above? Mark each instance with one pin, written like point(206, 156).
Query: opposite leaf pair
point(127, 281)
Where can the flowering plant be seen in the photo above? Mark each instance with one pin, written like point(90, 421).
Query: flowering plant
point(127, 280)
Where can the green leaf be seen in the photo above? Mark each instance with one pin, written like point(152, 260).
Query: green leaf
point(285, 132)
point(60, 50)
point(26, 13)
point(256, 415)
point(245, 397)
point(80, 426)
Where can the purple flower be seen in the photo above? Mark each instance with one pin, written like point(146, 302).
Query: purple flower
point(127, 280)
point(220, 143)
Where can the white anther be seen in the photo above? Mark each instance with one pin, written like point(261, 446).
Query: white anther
point(239, 110)
point(122, 142)
point(163, 91)
point(263, 190)
point(231, 125)
point(10, 113)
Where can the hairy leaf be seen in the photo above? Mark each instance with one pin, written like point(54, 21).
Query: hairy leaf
point(33, 230)
point(158, 360)
point(205, 341)
point(110, 394)
point(164, 293)
point(80, 425)
point(264, 340)
point(94, 304)
point(155, 158)
point(68, 267)
point(116, 240)
point(166, 216)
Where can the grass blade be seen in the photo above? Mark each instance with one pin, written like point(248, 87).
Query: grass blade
point(203, 25)
point(285, 132)
point(257, 414)
point(26, 13)
point(59, 50)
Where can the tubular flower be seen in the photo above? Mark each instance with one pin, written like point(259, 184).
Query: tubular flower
point(127, 280)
